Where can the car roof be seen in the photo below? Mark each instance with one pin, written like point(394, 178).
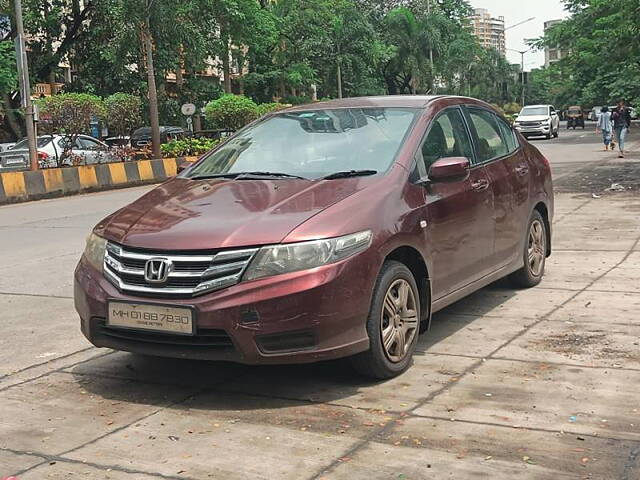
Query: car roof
point(382, 101)
point(534, 106)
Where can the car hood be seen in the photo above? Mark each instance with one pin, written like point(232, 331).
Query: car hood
point(218, 213)
point(532, 118)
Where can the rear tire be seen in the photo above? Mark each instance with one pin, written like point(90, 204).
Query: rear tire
point(534, 254)
point(393, 324)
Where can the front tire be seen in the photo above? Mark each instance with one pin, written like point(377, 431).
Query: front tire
point(393, 324)
point(534, 254)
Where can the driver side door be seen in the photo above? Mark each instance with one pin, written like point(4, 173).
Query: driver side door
point(459, 213)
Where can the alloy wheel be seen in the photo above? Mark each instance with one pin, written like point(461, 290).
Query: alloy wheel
point(536, 248)
point(399, 320)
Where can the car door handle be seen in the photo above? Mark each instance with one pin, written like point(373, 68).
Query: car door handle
point(480, 185)
point(522, 170)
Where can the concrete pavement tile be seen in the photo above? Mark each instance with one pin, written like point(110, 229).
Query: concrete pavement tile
point(235, 437)
point(44, 328)
point(338, 384)
point(54, 276)
point(47, 367)
point(481, 445)
point(12, 463)
point(72, 471)
point(619, 280)
point(575, 270)
point(26, 247)
point(383, 462)
point(59, 412)
point(616, 240)
point(632, 261)
point(456, 334)
point(583, 343)
point(503, 301)
point(588, 401)
point(601, 307)
point(169, 371)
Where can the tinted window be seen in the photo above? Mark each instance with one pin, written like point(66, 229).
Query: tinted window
point(88, 144)
point(508, 135)
point(447, 137)
point(314, 143)
point(489, 138)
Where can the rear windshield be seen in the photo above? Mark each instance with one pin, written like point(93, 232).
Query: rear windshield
point(24, 143)
point(575, 109)
point(530, 111)
point(314, 143)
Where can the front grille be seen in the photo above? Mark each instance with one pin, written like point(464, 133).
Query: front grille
point(204, 337)
point(530, 124)
point(190, 273)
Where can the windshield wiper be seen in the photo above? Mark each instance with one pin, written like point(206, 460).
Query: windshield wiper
point(245, 175)
point(350, 173)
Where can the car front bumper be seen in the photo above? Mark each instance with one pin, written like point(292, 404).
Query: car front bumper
point(300, 317)
point(541, 130)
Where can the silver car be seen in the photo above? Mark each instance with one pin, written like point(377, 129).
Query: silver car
point(51, 148)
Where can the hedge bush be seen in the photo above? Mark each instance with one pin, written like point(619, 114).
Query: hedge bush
point(265, 108)
point(231, 111)
point(187, 147)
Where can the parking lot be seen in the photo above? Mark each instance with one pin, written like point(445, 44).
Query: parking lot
point(538, 384)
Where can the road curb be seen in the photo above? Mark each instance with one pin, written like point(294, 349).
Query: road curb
point(26, 186)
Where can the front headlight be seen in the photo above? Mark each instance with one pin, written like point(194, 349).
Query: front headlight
point(292, 257)
point(94, 251)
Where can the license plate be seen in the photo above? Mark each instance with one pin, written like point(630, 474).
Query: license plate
point(146, 316)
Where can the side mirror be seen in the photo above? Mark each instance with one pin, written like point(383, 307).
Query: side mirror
point(449, 169)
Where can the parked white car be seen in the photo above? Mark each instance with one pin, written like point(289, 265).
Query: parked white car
point(537, 121)
point(50, 149)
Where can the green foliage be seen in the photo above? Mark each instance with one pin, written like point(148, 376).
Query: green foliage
point(265, 108)
point(296, 99)
point(231, 111)
point(8, 73)
point(124, 113)
point(601, 41)
point(187, 147)
point(71, 113)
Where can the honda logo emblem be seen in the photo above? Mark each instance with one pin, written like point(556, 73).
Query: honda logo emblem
point(157, 270)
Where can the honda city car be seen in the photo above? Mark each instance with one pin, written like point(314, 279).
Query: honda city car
point(328, 230)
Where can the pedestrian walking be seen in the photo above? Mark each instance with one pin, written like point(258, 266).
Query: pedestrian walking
point(621, 118)
point(605, 125)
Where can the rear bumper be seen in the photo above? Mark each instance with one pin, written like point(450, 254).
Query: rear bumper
point(302, 317)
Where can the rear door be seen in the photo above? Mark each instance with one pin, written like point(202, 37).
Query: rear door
point(459, 214)
point(499, 151)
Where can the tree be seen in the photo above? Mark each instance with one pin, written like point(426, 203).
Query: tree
point(123, 113)
point(70, 114)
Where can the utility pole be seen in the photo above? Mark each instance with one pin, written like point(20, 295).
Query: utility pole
point(521, 52)
point(25, 87)
point(151, 81)
point(339, 74)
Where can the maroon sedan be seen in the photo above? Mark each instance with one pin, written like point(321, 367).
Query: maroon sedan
point(323, 231)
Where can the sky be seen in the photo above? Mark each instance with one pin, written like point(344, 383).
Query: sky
point(515, 11)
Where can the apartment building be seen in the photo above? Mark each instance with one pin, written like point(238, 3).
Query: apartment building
point(553, 54)
point(489, 29)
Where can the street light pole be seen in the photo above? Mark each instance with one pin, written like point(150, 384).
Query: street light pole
point(521, 52)
point(25, 87)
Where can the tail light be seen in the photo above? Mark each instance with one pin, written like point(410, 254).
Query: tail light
point(43, 156)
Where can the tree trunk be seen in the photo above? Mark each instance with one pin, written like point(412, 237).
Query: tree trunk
point(10, 117)
point(339, 75)
point(153, 94)
point(226, 62)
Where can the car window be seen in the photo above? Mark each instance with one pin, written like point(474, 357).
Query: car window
point(24, 143)
point(553, 110)
point(86, 143)
point(313, 143)
point(447, 137)
point(489, 139)
point(63, 142)
point(508, 135)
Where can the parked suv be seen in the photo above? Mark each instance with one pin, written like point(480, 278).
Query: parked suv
point(322, 231)
point(537, 121)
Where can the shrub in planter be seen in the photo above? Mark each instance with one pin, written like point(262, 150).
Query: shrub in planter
point(188, 147)
point(265, 108)
point(124, 113)
point(231, 111)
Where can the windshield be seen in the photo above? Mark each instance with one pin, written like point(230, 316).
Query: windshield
point(24, 143)
point(314, 143)
point(530, 111)
point(575, 109)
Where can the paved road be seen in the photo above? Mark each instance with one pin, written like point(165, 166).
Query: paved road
point(539, 384)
